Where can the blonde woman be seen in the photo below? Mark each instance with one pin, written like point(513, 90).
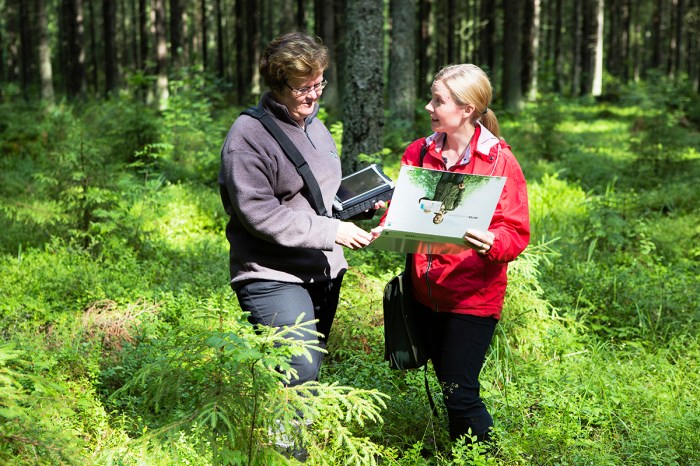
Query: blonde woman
point(462, 294)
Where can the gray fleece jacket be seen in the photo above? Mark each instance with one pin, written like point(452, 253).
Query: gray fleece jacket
point(274, 231)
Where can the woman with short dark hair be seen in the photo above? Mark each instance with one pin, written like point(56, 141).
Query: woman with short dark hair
point(285, 259)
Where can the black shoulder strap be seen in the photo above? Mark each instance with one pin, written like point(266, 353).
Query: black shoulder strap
point(423, 151)
point(407, 268)
point(293, 154)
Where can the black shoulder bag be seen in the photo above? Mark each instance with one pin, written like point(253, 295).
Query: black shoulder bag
point(293, 154)
point(403, 347)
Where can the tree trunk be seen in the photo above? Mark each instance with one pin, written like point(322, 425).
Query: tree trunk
point(531, 48)
point(110, 50)
point(254, 48)
point(425, 70)
point(73, 50)
point(162, 93)
point(402, 86)
point(45, 70)
point(526, 44)
point(205, 41)
point(287, 19)
point(220, 68)
point(94, 57)
point(325, 29)
point(451, 20)
point(656, 34)
point(512, 59)
point(122, 39)
point(678, 38)
point(134, 42)
point(597, 85)
point(12, 43)
point(3, 77)
point(558, 49)
point(637, 51)
point(587, 47)
point(626, 39)
point(25, 35)
point(487, 35)
point(363, 119)
point(301, 16)
point(576, 52)
point(176, 34)
point(143, 36)
point(241, 74)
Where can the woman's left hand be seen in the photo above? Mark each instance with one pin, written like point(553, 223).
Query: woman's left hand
point(480, 241)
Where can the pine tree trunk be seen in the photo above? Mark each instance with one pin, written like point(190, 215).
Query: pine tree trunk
point(205, 55)
point(450, 21)
point(425, 70)
point(512, 59)
point(576, 53)
point(45, 70)
point(587, 47)
point(220, 69)
point(162, 93)
point(363, 118)
point(531, 48)
point(558, 49)
point(487, 45)
point(26, 47)
point(134, 41)
point(143, 36)
point(656, 35)
point(597, 84)
point(325, 29)
point(402, 86)
point(176, 36)
point(254, 47)
point(73, 51)
point(680, 12)
point(241, 73)
point(110, 50)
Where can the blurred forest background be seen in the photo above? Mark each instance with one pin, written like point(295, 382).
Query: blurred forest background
point(122, 342)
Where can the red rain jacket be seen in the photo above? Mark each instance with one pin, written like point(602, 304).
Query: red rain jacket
point(468, 283)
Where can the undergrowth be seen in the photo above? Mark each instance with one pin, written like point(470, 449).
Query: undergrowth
point(123, 344)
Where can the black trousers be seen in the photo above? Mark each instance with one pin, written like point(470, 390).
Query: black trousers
point(279, 304)
point(457, 345)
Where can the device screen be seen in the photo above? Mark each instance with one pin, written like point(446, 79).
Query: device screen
point(359, 183)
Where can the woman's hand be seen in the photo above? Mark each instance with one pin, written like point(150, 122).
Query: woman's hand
point(480, 241)
point(351, 236)
point(376, 231)
point(379, 205)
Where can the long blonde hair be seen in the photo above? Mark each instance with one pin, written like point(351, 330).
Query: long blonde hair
point(468, 84)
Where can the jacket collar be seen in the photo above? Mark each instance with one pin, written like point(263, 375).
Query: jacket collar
point(486, 140)
point(280, 111)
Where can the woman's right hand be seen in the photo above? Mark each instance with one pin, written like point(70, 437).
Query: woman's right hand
point(376, 231)
point(351, 236)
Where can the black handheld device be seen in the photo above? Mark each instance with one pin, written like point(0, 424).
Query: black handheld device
point(360, 191)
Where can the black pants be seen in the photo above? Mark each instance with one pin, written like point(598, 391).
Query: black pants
point(279, 304)
point(457, 345)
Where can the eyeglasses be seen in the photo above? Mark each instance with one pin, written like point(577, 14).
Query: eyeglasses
point(299, 91)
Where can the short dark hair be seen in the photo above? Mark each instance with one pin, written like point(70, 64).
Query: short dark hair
point(292, 55)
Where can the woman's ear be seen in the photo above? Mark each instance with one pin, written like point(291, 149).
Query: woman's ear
point(469, 109)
